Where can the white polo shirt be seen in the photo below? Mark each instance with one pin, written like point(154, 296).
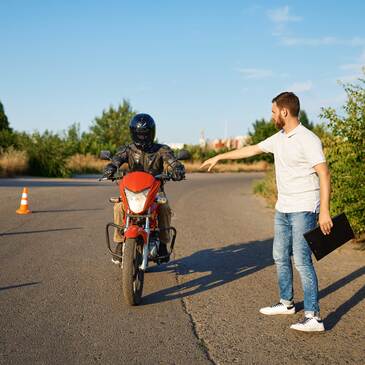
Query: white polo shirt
point(295, 154)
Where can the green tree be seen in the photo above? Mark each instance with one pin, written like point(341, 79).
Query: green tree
point(110, 130)
point(72, 139)
point(345, 153)
point(7, 137)
point(303, 118)
point(262, 129)
point(4, 123)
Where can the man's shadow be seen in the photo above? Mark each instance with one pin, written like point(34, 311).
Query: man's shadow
point(226, 264)
point(333, 318)
point(220, 266)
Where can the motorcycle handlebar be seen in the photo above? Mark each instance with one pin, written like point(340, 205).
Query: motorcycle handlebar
point(104, 178)
point(162, 177)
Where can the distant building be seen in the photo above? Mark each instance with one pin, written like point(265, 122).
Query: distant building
point(176, 146)
point(230, 143)
point(202, 140)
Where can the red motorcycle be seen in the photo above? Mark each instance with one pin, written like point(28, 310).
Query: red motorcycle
point(141, 197)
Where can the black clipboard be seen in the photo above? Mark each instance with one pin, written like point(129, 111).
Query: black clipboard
point(321, 245)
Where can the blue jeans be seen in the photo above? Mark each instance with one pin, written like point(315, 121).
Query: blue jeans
point(289, 241)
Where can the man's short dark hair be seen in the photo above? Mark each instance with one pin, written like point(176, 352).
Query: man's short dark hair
point(288, 100)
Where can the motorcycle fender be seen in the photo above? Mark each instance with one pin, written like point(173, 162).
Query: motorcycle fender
point(136, 231)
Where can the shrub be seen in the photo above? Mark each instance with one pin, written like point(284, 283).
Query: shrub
point(47, 155)
point(345, 153)
point(267, 188)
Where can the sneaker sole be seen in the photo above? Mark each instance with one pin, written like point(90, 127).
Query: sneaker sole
point(291, 311)
point(308, 330)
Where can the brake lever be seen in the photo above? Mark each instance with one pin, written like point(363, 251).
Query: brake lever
point(104, 178)
point(163, 177)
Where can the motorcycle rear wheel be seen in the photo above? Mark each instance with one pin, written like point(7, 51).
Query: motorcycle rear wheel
point(132, 276)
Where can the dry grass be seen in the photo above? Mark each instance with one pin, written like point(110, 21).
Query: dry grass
point(267, 188)
point(13, 162)
point(80, 164)
point(229, 167)
point(85, 164)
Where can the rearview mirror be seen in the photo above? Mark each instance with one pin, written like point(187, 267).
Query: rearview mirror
point(183, 155)
point(105, 155)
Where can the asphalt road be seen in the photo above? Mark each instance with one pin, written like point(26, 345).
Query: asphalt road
point(60, 297)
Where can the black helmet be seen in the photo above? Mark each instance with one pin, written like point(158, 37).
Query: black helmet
point(143, 130)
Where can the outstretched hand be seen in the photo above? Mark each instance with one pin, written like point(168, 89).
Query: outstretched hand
point(210, 163)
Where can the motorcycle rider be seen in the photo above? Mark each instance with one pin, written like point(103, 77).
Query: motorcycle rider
point(145, 155)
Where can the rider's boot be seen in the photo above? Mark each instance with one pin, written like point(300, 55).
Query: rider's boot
point(162, 251)
point(118, 250)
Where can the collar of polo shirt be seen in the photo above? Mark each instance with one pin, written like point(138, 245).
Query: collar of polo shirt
point(292, 132)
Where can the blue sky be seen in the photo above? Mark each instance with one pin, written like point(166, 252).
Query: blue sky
point(192, 65)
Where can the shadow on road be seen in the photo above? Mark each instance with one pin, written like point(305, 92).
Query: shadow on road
point(19, 285)
point(220, 266)
point(332, 319)
point(226, 264)
point(39, 231)
point(342, 282)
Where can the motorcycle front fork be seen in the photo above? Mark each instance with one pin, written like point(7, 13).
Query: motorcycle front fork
point(146, 246)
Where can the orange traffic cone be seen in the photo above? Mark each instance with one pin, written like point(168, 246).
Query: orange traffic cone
point(23, 209)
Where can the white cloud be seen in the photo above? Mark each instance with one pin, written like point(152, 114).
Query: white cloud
point(299, 87)
point(322, 41)
point(281, 15)
point(255, 73)
point(354, 69)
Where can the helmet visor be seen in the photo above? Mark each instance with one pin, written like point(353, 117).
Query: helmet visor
point(143, 136)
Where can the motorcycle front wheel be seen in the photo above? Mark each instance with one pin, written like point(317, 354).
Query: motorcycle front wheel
point(132, 276)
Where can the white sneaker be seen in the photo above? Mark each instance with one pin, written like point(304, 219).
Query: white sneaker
point(278, 308)
point(309, 324)
point(116, 260)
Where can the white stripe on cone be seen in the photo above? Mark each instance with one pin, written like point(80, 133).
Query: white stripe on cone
point(24, 202)
point(24, 195)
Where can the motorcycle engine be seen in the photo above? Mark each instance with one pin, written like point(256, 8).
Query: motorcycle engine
point(154, 245)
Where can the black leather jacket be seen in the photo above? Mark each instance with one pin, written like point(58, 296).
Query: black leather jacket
point(152, 161)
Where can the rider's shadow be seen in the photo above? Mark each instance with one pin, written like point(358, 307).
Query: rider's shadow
point(220, 266)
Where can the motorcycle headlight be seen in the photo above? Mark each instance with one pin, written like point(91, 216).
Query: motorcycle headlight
point(136, 201)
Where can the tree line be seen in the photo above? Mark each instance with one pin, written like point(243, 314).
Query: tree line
point(343, 137)
point(48, 152)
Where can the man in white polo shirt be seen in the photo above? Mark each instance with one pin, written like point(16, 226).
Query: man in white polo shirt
point(303, 184)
